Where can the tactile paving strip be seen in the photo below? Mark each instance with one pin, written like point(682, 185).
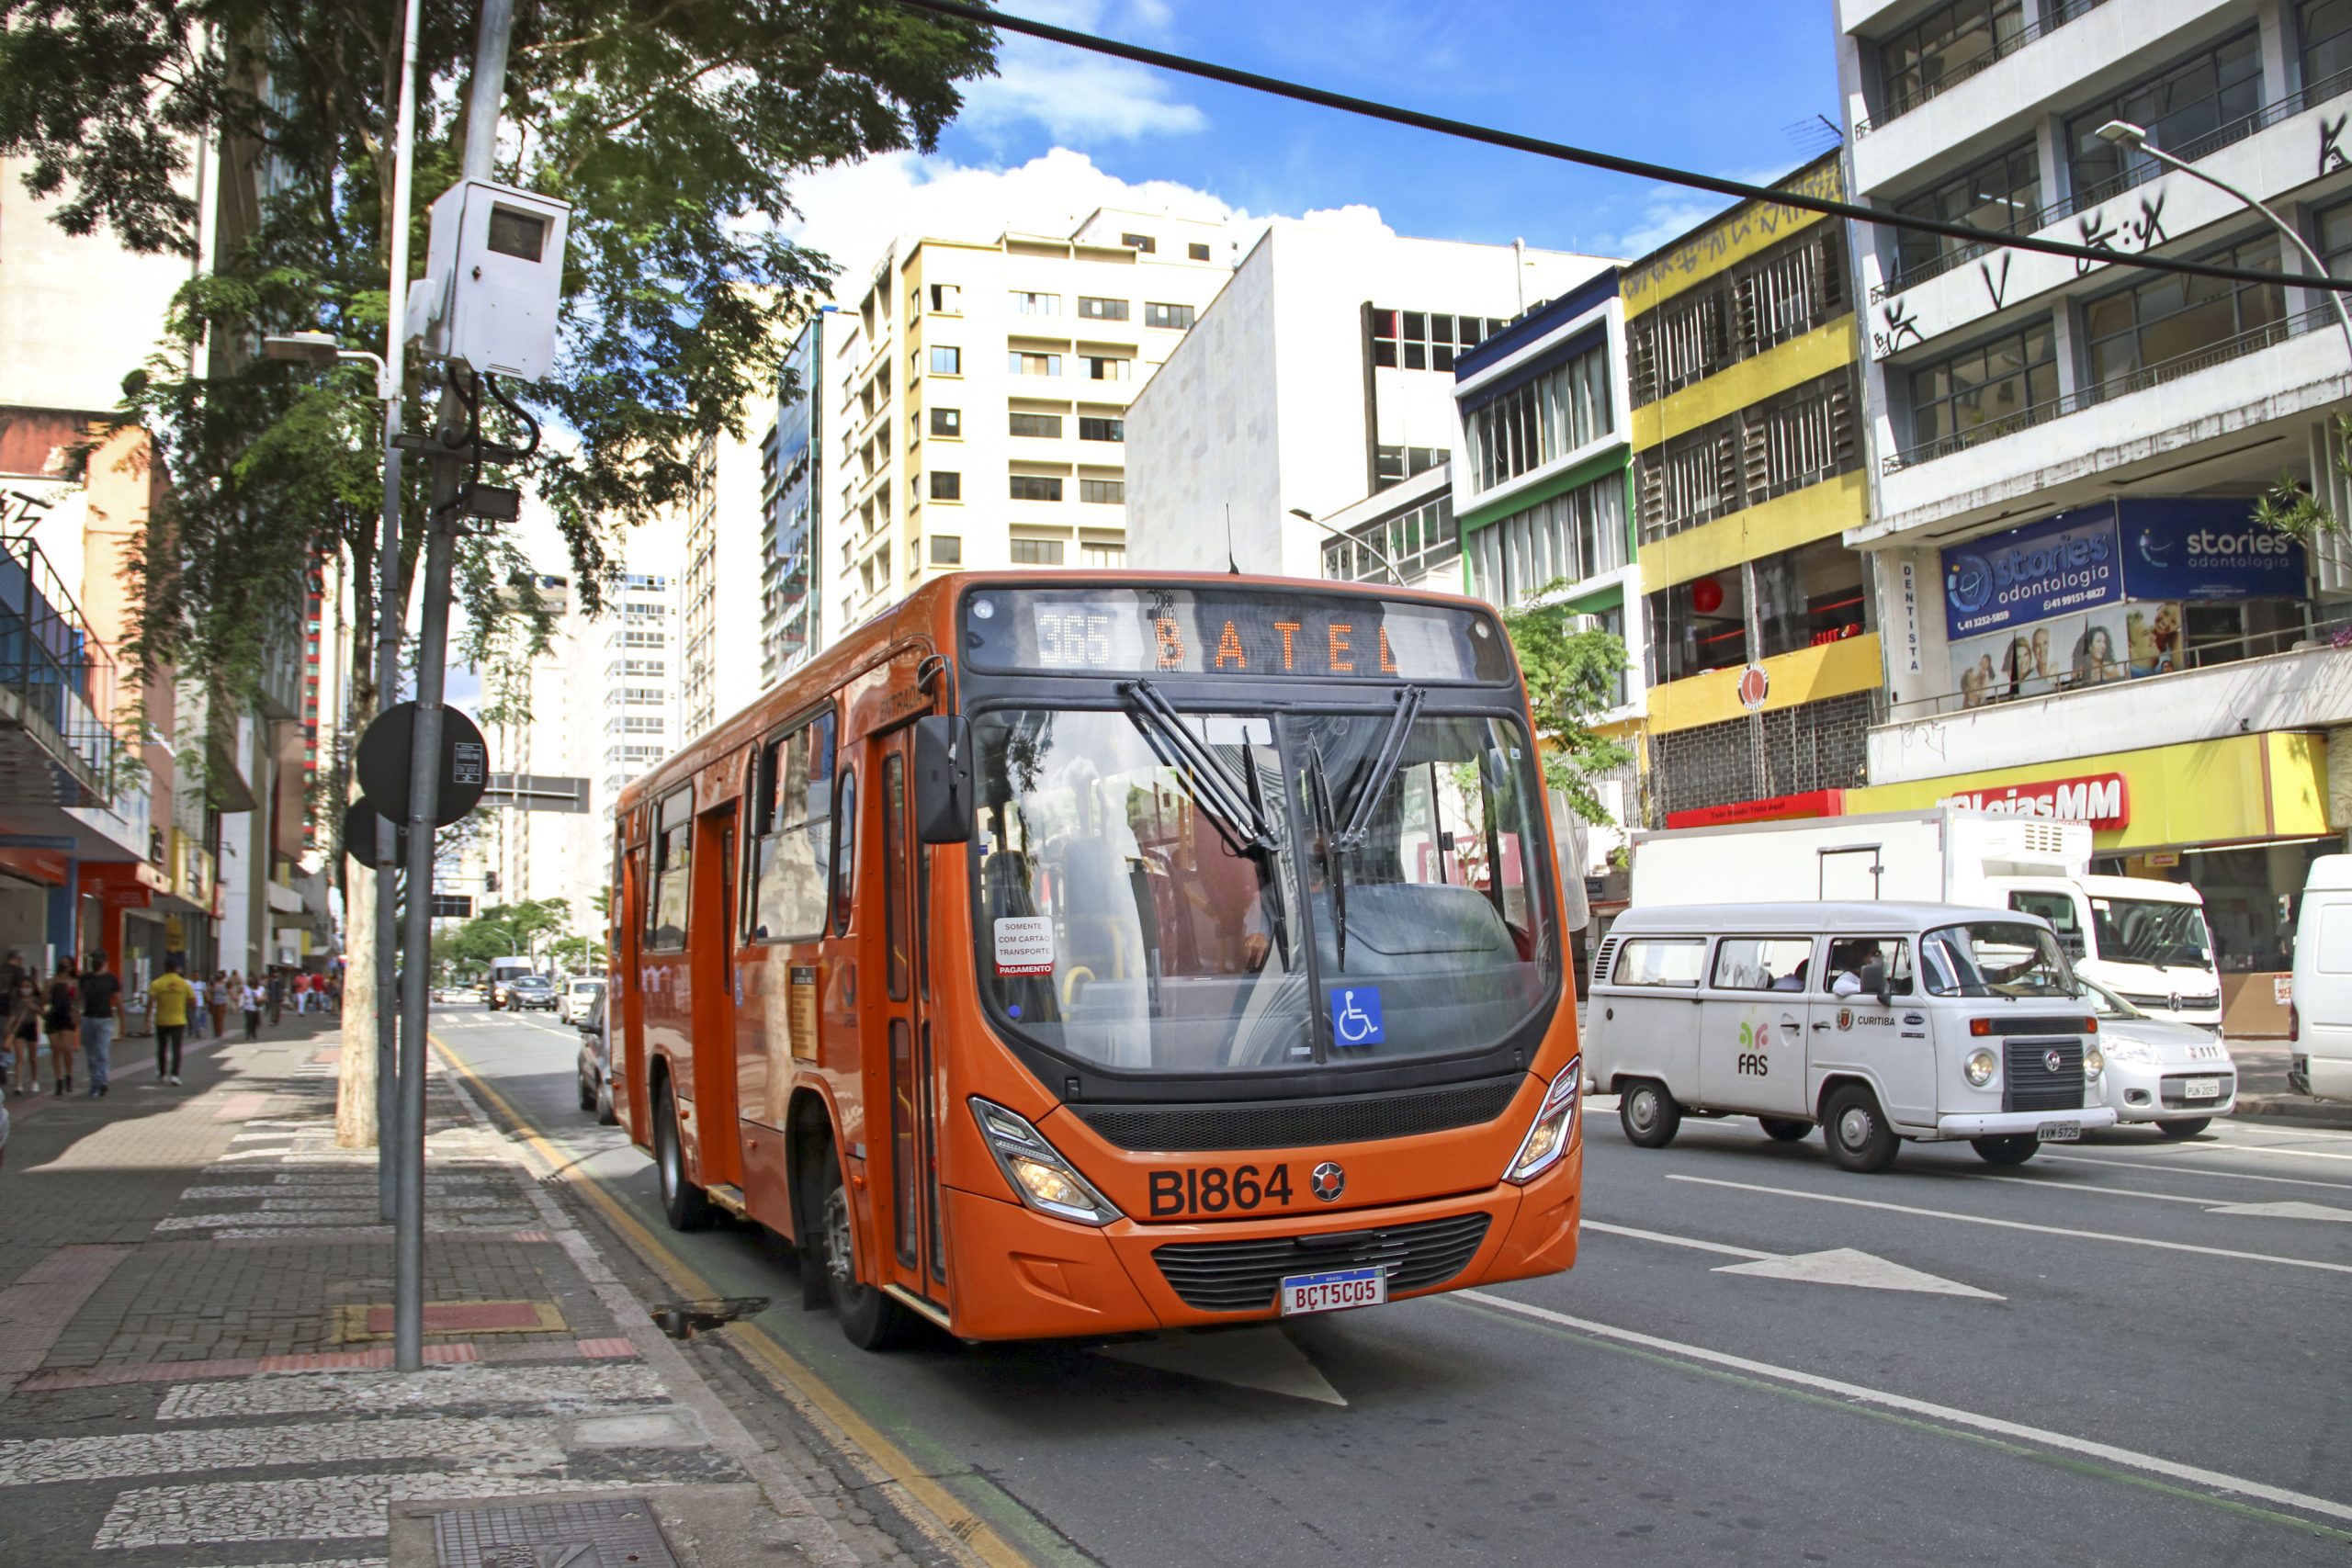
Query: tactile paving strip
point(601, 1533)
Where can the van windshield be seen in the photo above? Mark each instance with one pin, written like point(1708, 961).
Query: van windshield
point(2142, 930)
point(1994, 958)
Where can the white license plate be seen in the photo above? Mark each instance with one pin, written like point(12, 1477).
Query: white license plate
point(2203, 1088)
point(1334, 1291)
point(2059, 1132)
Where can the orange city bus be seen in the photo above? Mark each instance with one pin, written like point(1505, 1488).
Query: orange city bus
point(1098, 953)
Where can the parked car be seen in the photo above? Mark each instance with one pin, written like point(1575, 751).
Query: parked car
point(534, 993)
point(578, 995)
point(2176, 1075)
point(596, 1063)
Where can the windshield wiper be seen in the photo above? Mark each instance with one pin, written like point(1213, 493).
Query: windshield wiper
point(1385, 764)
point(1233, 805)
point(1335, 865)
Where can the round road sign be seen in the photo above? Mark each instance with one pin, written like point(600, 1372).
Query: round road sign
point(1754, 687)
point(382, 764)
point(359, 833)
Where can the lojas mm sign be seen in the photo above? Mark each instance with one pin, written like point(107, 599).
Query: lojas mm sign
point(2103, 800)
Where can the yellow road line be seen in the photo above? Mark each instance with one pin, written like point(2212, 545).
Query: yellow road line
point(859, 1438)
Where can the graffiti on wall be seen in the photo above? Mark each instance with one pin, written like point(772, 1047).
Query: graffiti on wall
point(1745, 229)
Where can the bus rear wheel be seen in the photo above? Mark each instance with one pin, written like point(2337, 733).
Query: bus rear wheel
point(1648, 1113)
point(871, 1319)
point(681, 1201)
point(2014, 1149)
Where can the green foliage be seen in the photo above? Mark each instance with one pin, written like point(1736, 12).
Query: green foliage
point(1571, 676)
point(2291, 509)
point(499, 932)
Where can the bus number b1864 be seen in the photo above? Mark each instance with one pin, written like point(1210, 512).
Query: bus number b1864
point(1214, 1189)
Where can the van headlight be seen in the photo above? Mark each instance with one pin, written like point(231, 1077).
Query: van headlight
point(1981, 1066)
point(1556, 1123)
point(1037, 1172)
point(2094, 1062)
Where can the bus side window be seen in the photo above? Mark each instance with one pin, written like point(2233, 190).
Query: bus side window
point(2058, 908)
point(794, 826)
point(846, 859)
point(665, 910)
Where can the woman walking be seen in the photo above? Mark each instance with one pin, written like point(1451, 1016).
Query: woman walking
point(63, 1021)
point(217, 998)
point(253, 1000)
point(23, 1032)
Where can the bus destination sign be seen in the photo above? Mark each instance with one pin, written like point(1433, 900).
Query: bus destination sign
point(1272, 631)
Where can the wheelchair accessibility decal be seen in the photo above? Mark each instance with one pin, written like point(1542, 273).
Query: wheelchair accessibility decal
point(1355, 1015)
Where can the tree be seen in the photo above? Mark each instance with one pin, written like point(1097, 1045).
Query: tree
point(1571, 676)
point(2290, 507)
point(674, 130)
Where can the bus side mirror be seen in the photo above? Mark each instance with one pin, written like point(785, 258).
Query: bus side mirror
point(944, 779)
point(1873, 980)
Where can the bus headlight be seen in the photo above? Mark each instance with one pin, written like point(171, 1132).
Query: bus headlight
point(2094, 1062)
point(1980, 1068)
point(1035, 1169)
point(1555, 1127)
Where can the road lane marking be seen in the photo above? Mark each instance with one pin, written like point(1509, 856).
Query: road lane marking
point(2236, 1148)
point(1932, 1414)
point(2295, 1210)
point(1748, 1252)
point(2176, 1169)
point(2016, 1224)
point(1836, 1266)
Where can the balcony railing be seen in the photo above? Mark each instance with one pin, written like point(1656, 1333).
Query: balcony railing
point(56, 667)
point(2055, 14)
point(2253, 341)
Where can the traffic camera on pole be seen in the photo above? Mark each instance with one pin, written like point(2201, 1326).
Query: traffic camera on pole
point(494, 281)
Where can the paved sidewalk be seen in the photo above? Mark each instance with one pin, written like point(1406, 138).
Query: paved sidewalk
point(195, 1348)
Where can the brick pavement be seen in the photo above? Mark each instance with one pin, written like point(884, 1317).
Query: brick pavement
point(193, 1370)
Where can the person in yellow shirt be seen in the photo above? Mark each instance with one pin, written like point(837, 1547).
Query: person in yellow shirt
point(171, 995)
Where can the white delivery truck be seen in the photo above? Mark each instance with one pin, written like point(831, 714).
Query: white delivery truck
point(2321, 1011)
point(2142, 939)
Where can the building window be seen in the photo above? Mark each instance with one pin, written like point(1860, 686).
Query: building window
point(2326, 28)
point(947, 422)
point(1103, 555)
point(1699, 626)
point(1177, 316)
point(1036, 487)
point(1102, 491)
point(1091, 429)
point(1037, 552)
point(1567, 539)
point(1143, 242)
point(1395, 465)
point(1784, 293)
point(2188, 108)
point(1046, 425)
point(1802, 437)
point(946, 549)
point(2170, 318)
point(1197, 251)
point(1809, 596)
point(1095, 309)
point(946, 361)
point(945, 486)
point(1106, 367)
point(1947, 45)
point(1540, 421)
point(1027, 304)
point(1422, 339)
point(1985, 391)
point(1420, 541)
point(2002, 192)
point(946, 299)
point(1022, 363)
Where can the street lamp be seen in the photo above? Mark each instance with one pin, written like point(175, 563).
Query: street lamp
point(319, 348)
point(2124, 133)
point(1365, 544)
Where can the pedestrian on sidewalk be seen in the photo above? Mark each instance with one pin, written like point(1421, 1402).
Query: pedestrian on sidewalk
point(62, 1019)
point(219, 995)
point(101, 1014)
point(274, 989)
point(20, 1038)
point(253, 1002)
point(12, 971)
point(173, 998)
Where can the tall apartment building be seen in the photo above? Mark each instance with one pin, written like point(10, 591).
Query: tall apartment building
point(792, 485)
point(2083, 618)
point(977, 396)
point(718, 600)
point(527, 850)
point(1748, 459)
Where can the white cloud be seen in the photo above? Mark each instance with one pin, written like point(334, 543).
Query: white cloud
point(1671, 211)
point(1072, 95)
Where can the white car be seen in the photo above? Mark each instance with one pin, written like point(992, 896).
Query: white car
point(578, 995)
point(2177, 1076)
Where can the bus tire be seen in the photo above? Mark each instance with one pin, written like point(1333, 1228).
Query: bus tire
point(1856, 1131)
point(681, 1201)
point(1648, 1113)
point(1784, 1129)
point(871, 1319)
point(2014, 1149)
point(2184, 1126)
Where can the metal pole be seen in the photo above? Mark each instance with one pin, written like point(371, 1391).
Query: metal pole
point(2334, 297)
point(487, 89)
point(390, 611)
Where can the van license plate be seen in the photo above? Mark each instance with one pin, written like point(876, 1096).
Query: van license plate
point(1335, 1291)
point(2060, 1132)
point(2203, 1088)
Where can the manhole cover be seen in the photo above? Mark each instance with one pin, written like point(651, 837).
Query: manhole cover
point(683, 1320)
point(604, 1533)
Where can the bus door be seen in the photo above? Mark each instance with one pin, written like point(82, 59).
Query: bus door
point(711, 987)
point(907, 1063)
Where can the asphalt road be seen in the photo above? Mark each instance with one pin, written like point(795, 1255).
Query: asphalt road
point(2134, 1350)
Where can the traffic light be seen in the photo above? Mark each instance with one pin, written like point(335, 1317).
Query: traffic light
point(490, 882)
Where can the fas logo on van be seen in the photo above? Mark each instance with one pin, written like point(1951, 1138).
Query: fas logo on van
point(1754, 1037)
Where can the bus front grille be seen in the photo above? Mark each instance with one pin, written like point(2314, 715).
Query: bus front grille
point(1300, 1124)
point(1242, 1276)
point(2035, 1085)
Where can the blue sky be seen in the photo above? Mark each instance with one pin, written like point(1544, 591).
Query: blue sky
point(1709, 85)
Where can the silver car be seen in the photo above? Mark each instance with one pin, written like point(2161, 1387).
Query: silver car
point(2177, 1076)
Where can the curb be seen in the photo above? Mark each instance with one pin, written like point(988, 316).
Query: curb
point(2295, 1108)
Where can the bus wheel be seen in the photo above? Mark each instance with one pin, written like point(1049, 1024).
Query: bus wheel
point(681, 1200)
point(2014, 1149)
point(872, 1320)
point(2186, 1127)
point(1784, 1129)
point(1648, 1113)
point(1858, 1135)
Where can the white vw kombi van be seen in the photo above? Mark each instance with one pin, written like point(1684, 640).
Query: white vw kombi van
point(1874, 1021)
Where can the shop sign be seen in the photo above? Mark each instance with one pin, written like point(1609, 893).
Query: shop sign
point(2067, 562)
point(1772, 809)
point(2103, 800)
point(2205, 549)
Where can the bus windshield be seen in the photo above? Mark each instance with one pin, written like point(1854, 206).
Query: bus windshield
point(1995, 958)
point(1174, 892)
point(2145, 930)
